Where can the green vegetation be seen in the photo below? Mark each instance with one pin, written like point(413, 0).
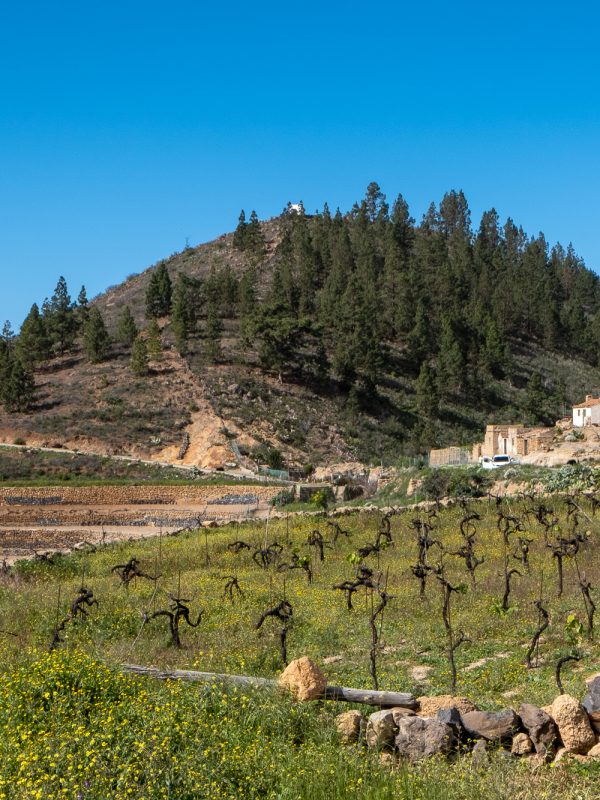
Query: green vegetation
point(81, 727)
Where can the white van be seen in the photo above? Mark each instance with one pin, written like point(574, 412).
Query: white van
point(495, 462)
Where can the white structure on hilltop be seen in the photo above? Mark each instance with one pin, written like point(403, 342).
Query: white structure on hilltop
point(587, 413)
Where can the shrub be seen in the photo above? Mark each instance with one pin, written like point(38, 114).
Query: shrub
point(283, 498)
point(576, 476)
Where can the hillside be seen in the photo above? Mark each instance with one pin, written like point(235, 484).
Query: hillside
point(313, 339)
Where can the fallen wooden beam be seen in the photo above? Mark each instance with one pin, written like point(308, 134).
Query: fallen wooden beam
point(339, 693)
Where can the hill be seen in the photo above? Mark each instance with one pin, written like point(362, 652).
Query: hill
point(315, 338)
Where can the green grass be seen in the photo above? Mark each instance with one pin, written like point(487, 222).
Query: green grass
point(185, 741)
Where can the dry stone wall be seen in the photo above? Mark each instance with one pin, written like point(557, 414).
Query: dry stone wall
point(132, 495)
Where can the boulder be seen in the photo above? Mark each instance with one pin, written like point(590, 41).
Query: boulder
point(381, 729)
point(591, 702)
point(304, 679)
point(573, 724)
point(349, 725)
point(541, 728)
point(429, 706)
point(400, 711)
point(495, 726)
point(561, 753)
point(420, 737)
point(521, 745)
point(451, 717)
point(594, 752)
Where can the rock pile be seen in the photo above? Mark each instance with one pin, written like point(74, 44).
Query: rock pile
point(430, 726)
point(445, 724)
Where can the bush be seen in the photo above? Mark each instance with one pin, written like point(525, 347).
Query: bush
point(435, 484)
point(576, 476)
point(283, 498)
point(438, 483)
point(266, 454)
point(321, 498)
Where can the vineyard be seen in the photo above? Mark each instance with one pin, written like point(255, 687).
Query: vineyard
point(493, 600)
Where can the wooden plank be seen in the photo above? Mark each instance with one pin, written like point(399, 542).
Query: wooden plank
point(338, 693)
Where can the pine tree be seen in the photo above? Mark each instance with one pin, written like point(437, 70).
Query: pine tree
point(60, 318)
point(535, 400)
point(17, 387)
point(284, 291)
point(494, 351)
point(96, 340)
point(247, 300)
point(183, 318)
point(158, 293)
point(239, 236)
point(451, 361)
point(154, 341)
point(33, 345)
point(426, 394)
point(82, 308)
point(139, 357)
point(254, 239)
point(213, 332)
point(420, 337)
point(127, 330)
point(8, 334)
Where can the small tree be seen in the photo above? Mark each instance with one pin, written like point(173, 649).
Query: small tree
point(95, 337)
point(33, 344)
point(82, 308)
point(127, 330)
point(186, 301)
point(60, 317)
point(18, 386)
point(139, 357)
point(239, 236)
point(214, 329)
point(158, 293)
point(154, 342)
point(254, 240)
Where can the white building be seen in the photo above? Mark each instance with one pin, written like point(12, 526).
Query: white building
point(587, 413)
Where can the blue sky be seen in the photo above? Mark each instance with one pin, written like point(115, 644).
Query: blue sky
point(127, 127)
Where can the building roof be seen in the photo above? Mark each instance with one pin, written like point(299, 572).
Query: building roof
point(590, 401)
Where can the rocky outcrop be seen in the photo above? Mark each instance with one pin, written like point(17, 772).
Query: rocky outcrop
point(573, 724)
point(304, 679)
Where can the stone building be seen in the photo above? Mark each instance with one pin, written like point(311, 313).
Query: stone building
point(513, 440)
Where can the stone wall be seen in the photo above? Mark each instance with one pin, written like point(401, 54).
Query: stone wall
point(130, 495)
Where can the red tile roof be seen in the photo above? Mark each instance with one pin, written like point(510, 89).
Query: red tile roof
point(592, 401)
